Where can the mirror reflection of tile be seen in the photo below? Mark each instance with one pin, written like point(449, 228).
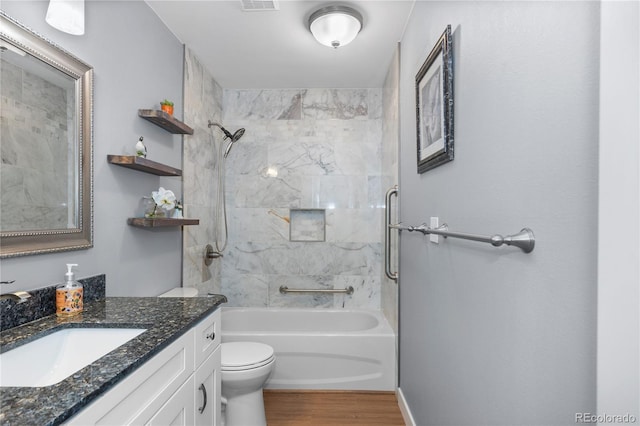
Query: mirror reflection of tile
point(307, 225)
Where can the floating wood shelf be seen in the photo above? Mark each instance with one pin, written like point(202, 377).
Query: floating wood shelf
point(143, 165)
point(166, 121)
point(159, 222)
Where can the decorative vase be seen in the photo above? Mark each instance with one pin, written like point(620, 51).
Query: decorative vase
point(152, 210)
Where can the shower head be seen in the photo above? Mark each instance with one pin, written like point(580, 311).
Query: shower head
point(237, 135)
point(227, 135)
point(234, 138)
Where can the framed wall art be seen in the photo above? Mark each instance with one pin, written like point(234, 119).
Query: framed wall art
point(434, 106)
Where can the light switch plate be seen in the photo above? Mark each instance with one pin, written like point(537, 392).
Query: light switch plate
point(434, 224)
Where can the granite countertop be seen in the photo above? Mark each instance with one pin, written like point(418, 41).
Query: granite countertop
point(165, 319)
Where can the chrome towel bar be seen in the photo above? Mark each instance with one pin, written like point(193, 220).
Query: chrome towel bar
point(284, 289)
point(524, 239)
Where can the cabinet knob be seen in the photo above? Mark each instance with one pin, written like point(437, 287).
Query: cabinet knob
point(211, 336)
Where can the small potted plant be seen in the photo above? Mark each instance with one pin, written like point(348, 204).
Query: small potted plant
point(167, 106)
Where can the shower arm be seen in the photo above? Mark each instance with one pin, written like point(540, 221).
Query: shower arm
point(227, 134)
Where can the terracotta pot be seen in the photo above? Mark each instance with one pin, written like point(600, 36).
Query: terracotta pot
point(167, 108)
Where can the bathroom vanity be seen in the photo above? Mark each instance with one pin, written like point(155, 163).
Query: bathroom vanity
point(168, 374)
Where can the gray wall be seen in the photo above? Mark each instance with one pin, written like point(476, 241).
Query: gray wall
point(137, 62)
point(488, 335)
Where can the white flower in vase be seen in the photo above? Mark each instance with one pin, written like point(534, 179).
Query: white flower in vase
point(163, 198)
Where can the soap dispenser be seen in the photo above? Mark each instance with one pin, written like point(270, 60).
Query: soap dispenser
point(69, 294)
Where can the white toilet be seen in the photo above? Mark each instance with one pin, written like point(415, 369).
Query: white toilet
point(246, 366)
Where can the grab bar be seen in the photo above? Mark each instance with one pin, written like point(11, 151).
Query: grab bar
point(284, 289)
point(524, 239)
point(387, 234)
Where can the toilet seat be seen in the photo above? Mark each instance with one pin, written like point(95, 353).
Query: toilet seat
point(238, 356)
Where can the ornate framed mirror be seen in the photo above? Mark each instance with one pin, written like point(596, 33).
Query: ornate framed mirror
point(46, 175)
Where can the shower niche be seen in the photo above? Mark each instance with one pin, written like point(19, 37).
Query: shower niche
point(307, 225)
point(171, 125)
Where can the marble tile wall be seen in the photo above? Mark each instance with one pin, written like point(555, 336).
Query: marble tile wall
point(35, 150)
point(304, 149)
point(391, 138)
point(202, 102)
point(331, 149)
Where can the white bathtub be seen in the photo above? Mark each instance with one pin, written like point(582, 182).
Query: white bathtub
point(319, 348)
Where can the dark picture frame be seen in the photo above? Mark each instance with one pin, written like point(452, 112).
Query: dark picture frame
point(434, 105)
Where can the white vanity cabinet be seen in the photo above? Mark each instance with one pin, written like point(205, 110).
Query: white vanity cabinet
point(170, 388)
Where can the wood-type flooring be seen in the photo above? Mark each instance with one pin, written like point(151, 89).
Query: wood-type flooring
point(331, 408)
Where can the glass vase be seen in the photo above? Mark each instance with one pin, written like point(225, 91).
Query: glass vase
point(152, 210)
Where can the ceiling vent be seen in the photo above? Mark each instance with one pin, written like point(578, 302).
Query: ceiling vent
point(259, 5)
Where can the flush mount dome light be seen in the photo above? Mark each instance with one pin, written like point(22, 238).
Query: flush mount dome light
point(335, 26)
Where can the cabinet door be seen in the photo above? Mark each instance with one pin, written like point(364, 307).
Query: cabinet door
point(207, 391)
point(178, 410)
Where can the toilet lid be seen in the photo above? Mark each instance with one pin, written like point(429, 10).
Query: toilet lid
point(245, 355)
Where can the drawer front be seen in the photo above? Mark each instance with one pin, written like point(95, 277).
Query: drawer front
point(207, 336)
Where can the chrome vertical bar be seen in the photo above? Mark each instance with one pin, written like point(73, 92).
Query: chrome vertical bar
point(387, 234)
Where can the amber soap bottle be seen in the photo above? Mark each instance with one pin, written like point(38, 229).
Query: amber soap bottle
point(69, 295)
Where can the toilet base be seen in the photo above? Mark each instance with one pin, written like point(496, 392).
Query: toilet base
point(245, 410)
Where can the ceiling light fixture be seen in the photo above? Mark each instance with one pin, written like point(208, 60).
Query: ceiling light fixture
point(66, 15)
point(335, 26)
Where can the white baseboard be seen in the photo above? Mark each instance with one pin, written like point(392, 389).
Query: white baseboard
point(404, 408)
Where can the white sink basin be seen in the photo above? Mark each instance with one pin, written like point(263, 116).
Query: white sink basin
point(54, 357)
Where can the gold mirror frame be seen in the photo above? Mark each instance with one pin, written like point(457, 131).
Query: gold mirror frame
point(22, 243)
